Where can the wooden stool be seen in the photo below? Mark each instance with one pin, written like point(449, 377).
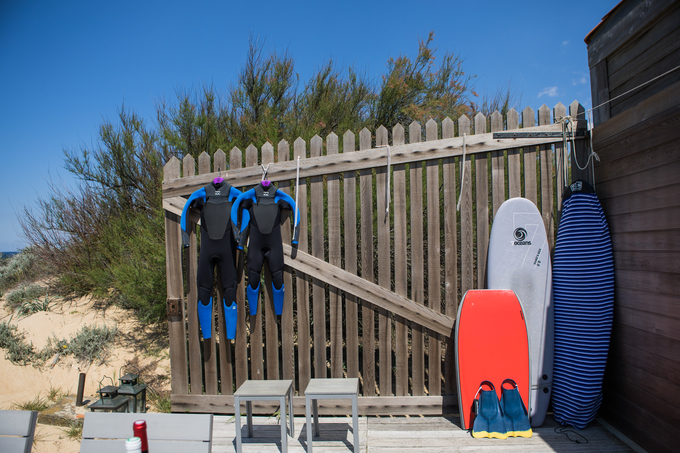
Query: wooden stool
point(264, 391)
point(331, 389)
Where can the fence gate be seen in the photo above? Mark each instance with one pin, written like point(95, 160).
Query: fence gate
point(384, 256)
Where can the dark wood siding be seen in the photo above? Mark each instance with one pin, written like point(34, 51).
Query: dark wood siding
point(637, 137)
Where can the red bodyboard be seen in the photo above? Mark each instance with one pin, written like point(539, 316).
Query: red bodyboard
point(491, 345)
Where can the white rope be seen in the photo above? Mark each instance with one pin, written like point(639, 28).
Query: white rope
point(462, 176)
point(569, 120)
point(637, 87)
point(388, 198)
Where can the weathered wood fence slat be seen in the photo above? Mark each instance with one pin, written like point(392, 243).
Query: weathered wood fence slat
point(373, 286)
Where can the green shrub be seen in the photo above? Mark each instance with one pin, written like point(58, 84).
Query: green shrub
point(37, 404)
point(14, 343)
point(29, 307)
point(91, 343)
point(24, 293)
point(74, 431)
point(17, 268)
point(161, 401)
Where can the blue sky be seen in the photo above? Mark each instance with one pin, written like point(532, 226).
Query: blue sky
point(66, 66)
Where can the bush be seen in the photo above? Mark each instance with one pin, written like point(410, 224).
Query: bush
point(17, 268)
point(24, 293)
point(91, 343)
point(37, 404)
point(14, 343)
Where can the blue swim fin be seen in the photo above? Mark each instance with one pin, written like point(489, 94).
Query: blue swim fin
point(253, 296)
point(230, 319)
point(514, 412)
point(278, 299)
point(489, 420)
point(205, 313)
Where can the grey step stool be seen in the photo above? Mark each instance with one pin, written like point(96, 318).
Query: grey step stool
point(250, 391)
point(337, 388)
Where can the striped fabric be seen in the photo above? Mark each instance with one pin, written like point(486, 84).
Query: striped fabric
point(583, 288)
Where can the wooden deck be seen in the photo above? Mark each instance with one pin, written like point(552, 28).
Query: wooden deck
point(408, 434)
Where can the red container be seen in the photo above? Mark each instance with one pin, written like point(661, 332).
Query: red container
point(139, 429)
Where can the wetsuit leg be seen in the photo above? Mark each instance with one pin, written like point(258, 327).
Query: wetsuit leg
point(275, 262)
point(255, 261)
point(228, 276)
point(204, 280)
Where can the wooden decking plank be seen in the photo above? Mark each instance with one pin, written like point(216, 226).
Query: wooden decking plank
point(412, 434)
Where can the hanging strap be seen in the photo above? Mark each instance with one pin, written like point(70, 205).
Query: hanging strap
point(462, 176)
point(388, 198)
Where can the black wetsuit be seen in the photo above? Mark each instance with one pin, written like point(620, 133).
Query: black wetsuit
point(218, 248)
point(258, 213)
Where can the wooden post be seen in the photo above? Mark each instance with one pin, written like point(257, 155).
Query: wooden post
point(497, 167)
point(367, 313)
point(529, 159)
point(301, 283)
point(190, 261)
point(334, 258)
point(173, 268)
point(581, 167)
point(433, 263)
point(271, 326)
point(209, 349)
point(482, 204)
point(417, 264)
point(384, 270)
point(351, 258)
point(400, 265)
point(559, 112)
point(547, 190)
point(256, 349)
point(514, 173)
point(450, 257)
point(241, 340)
point(287, 326)
point(224, 346)
point(466, 241)
point(318, 290)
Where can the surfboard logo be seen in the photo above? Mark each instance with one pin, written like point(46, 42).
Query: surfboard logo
point(521, 236)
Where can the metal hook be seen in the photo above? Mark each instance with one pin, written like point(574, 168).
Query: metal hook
point(265, 170)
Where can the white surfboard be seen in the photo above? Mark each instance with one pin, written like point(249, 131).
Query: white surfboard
point(519, 259)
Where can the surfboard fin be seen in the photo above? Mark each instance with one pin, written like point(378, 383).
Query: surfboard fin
point(489, 420)
point(514, 412)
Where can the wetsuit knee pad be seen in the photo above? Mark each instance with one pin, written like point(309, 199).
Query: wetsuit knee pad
point(277, 279)
point(253, 296)
point(205, 313)
point(230, 318)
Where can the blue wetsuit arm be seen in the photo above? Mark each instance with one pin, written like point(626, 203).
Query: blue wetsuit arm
point(200, 193)
point(240, 226)
point(283, 196)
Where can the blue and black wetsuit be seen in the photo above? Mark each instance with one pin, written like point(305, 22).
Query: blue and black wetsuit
point(258, 212)
point(218, 248)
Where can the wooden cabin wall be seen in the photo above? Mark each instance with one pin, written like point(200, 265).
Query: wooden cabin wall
point(638, 140)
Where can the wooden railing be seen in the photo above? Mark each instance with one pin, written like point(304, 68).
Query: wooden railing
point(371, 292)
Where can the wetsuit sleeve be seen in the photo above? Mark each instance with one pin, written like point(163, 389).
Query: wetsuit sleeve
point(197, 195)
point(287, 199)
point(240, 217)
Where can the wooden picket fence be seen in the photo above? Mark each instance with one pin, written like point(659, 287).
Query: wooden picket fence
point(371, 292)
